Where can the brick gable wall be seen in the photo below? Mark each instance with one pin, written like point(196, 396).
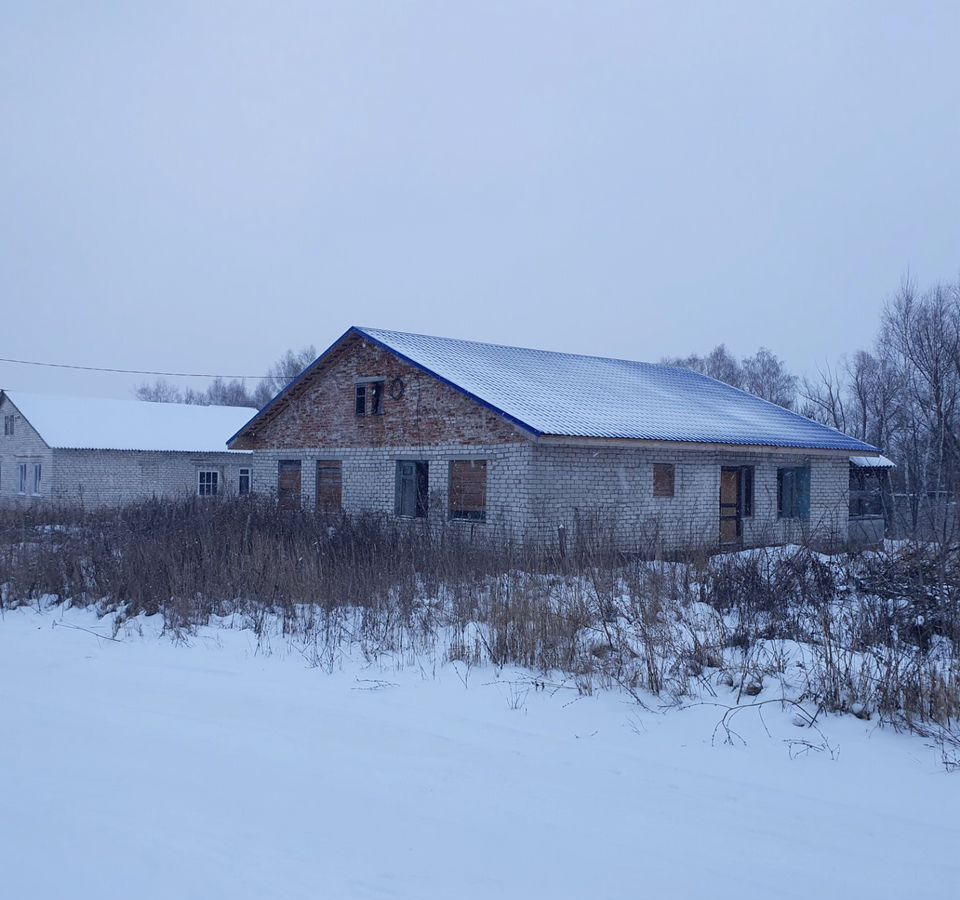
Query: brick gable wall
point(319, 413)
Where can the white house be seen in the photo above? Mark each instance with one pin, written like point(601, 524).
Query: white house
point(524, 441)
point(101, 452)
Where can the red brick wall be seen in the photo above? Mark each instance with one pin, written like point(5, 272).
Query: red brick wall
point(320, 411)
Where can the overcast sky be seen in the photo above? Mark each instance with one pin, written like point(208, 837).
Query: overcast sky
point(199, 186)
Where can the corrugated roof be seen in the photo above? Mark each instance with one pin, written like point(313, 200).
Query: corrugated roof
point(588, 396)
point(872, 462)
point(96, 423)
point(567, 395)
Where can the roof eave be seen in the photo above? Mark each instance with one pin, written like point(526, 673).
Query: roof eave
point(221, 451)
point(719, 446)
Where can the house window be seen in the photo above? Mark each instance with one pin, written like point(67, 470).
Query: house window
point(412, 488)
point(8, 422)
point(243, 482)
point(37, 472)
point(329, 485)
point(793, 492)
point(368, 400)
point(23, 478)
point(664, 477)
point(207, 482)
point(468, 489)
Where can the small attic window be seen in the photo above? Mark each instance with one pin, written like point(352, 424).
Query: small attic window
point(368, 399)
point(8, 423)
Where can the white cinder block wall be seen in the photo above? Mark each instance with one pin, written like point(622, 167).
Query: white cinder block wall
point(533, 488)
point(23, 447)
point(96, 478)
point(369, 478)
point(616, 485)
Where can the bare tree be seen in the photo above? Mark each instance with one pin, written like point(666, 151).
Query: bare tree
point(765, 375)
point(719, 363)
point(923, 334)
point(229, 393)
point(160, 391)
point(876, 397)
point(288, 367)
point(823, 398)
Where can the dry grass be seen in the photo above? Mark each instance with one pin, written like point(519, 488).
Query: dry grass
point(874, 635)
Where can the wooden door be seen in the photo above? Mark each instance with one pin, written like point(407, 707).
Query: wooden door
point(731, 508)
point(288, 483)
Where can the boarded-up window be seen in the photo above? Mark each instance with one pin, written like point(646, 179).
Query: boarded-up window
point(468, 489)
point(288, 483)
point(412, 488)
point(329, 485)
point(663, 479)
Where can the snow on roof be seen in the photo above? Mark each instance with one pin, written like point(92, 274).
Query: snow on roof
point(872, 462)
point(588, 396)
point(96, 423)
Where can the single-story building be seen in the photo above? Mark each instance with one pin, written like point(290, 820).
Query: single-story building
point(517, 441)
point(101, 452)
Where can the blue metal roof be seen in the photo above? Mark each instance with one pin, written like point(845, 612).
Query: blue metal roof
point(589, 396)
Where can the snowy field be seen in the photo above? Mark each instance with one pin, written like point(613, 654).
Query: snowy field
point(145, 769)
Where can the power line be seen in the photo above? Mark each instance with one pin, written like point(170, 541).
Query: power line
point(49, 365)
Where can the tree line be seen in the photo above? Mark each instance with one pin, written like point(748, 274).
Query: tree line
point(901, 393)
point(235, 391)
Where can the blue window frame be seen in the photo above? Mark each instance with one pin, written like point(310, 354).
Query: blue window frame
point(793, 492)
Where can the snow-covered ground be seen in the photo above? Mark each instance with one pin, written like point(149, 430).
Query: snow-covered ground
point(147, 769)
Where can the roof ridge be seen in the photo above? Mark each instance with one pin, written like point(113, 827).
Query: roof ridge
point(551, 392)
point(437, 337)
